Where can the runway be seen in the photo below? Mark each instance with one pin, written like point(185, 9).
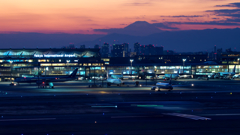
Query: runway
point(82, 87)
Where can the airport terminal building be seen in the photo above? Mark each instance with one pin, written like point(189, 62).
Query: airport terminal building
point(58, 62)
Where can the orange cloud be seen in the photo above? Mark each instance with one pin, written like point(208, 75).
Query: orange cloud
point(81, 16)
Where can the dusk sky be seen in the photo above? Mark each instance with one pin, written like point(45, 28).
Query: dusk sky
point(85, 16)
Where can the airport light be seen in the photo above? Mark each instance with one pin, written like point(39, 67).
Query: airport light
point(131, 60)
point(11, 66)
point(183, 64)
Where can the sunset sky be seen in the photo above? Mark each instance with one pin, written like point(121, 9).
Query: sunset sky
point(83, 16)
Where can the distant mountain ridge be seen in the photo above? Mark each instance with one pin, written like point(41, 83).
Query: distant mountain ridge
point(138, 28)
point(180, 41)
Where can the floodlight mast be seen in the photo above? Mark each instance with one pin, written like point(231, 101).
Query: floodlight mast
point(183, 64)
point(131, 60)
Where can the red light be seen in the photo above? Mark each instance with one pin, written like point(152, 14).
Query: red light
point(24, 77)
point(42, 82)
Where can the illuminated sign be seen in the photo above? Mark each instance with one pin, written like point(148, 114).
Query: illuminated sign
point(54, 55)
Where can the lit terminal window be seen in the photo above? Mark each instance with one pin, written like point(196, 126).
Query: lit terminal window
point(46, 64)
point(89, 64)
point(106, 59)
point(80, 64)
point(30, 60)
point(59, 60)
point(6, 65)
point(75, 60)
point(103, 68)
point(42, 60)
point(58, 64)
point(107, 63)
point(47, 60)
point(84, 64)
point(72, 64)
point(1, 61)
point(95, 64)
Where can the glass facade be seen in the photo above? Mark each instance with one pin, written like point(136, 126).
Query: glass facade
point(62, 62)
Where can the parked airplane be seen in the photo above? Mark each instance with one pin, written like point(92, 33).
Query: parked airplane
point(111, 81)
point(174, 76)
point(44, 81)
point(224, 75)
point(160, 85)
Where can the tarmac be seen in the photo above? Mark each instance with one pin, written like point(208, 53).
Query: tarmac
point(193, 107)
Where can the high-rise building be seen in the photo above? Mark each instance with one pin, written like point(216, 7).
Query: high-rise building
point(150, 50)
point(120, 50)
point(125, 47)
point(136, 48)
point(105, 50)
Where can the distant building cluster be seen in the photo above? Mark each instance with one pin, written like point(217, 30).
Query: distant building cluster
point(217, 55)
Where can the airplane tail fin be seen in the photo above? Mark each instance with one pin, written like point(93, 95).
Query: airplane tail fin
point(73, 74)
point(170, 82)
point(234, 69)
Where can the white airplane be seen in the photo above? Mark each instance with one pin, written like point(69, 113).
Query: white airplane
point(174, 76)
point(228, 74)
point(44, 81)
point(160, 85)
point(111, 81)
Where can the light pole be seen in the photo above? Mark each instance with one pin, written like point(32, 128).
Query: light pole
point(11, 68)
point(67, 65)
point(155, 71)
point(131, 60)
point(183, 64)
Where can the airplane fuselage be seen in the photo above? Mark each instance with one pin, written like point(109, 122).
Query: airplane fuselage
point(114, 81)
point(164, 85)
point(43, 79)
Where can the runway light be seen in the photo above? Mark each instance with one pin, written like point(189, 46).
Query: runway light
point(95, 122)
point(192, 84)
point(105, 106)
point(149, 105)
point(231, 93)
